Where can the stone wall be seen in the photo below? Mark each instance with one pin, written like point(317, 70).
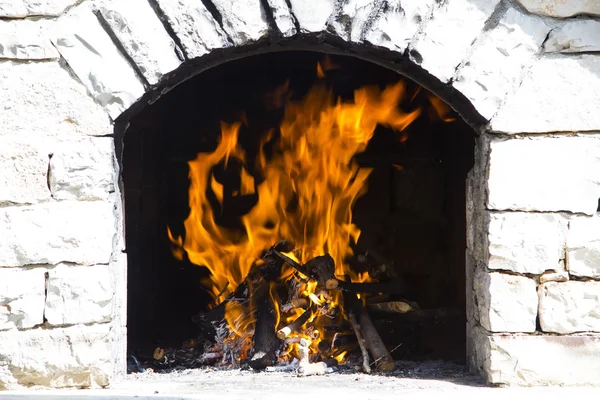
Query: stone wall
point(528, 68)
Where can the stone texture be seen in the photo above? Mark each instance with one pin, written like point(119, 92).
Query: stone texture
point(569, 104)
point(545, 174)
point(395, 27)
point(562, 8)
point(21, 298)
point(118, 269)
point(26, 40)
point(79, 356)
point(551, 276)
point(29, 8)
point(79, 294)
point(83, 169)
point(312, 15)
point(194, 26)
point(583, 246)
point(284, 19)
point(568, 307)
point(496, 63)
point(574, 37)
point(138, 29)
point(526, 243)
point(507, 303)
point(42, 99)
point(23, 170)
point(96, 61)
point(446, 38)
point(78, 232)
point(350, 18)
point(243, 20)
point(536, 359)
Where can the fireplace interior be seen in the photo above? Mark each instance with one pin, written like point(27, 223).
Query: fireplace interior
point(411, 217)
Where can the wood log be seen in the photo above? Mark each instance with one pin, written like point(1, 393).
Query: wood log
point(265, 341)
point(383, 360)
point(361, 342)
point(399, 307)
point(295, 325)
point(322, 269)
point(301, 302)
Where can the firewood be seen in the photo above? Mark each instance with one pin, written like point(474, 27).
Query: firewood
point(295, 325)
point(383, 359)
point(399, 307)
point(322, 270)
point(294, 303)
point(265, 341)
point(361, 342)
point(305, 367)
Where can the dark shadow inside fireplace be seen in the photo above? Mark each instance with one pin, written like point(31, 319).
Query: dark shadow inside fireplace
point(412, 217)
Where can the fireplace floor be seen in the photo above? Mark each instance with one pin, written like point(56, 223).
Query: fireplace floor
point(412, 380)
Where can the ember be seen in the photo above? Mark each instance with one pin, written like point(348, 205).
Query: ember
point(283, 286)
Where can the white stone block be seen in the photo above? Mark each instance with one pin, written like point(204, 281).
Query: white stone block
point(574, 37)
point(78, 356)
point(583, 246)
point(83, 169)
point(67, 231)
point(194, 26)
point(92, 55)
point(507, 303)
point(312, 15)
point(43, 99)
point(29, 8)
point(558, 94)
point(496, 63)
point(545, 174)
point(138, 29)
point(447, 37)
point(26, 40)
point(525, 242)
point(22, 297)
point(529, 360)
point(562, 8)
point(568, 307)
point(284, 19)
point(79, 294)
point(243, 20)
point(23, 170)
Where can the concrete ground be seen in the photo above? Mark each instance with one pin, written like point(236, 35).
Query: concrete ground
point(423, 380)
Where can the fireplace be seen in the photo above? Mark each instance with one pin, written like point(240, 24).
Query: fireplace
point(485, 206)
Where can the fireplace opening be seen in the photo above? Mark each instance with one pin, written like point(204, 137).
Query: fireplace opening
point(206, 150)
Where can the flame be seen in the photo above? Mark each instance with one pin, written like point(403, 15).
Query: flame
point(440, 109)
point(306, 188)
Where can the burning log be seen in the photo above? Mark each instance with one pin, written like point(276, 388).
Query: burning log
point(322, 269)
point(265, 342)
point(295, 303)
point(295, 325)
point(383, 359)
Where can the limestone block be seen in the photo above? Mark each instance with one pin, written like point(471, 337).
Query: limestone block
point(574, 37)
point(569, 104)
point(284, 19)
point(23, 169)
point(138, 29)
point(312, 15)
point(526, 243)
point(21, 298)
point(118, 273)
point(447, 37)
point(49, 233)
point(243, 20)
point(507, 303)
point(92, 55)
point(583, 246)
point(529, 360)
point(194, 26)
point(79, 294)
point(78, 356)
point(562, 8)
point(551, 276)
point(26, 40)
point(545, 174)
point(83, 169)
point(28, 8)
point(568, 307)
point(43, 99)
point(495, 65)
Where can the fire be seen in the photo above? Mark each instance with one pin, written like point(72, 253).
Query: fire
point(306, 186)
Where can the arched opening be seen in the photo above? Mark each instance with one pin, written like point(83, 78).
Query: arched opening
point(411, 217)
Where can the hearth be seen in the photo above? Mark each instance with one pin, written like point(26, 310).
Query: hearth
point(108, 104)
